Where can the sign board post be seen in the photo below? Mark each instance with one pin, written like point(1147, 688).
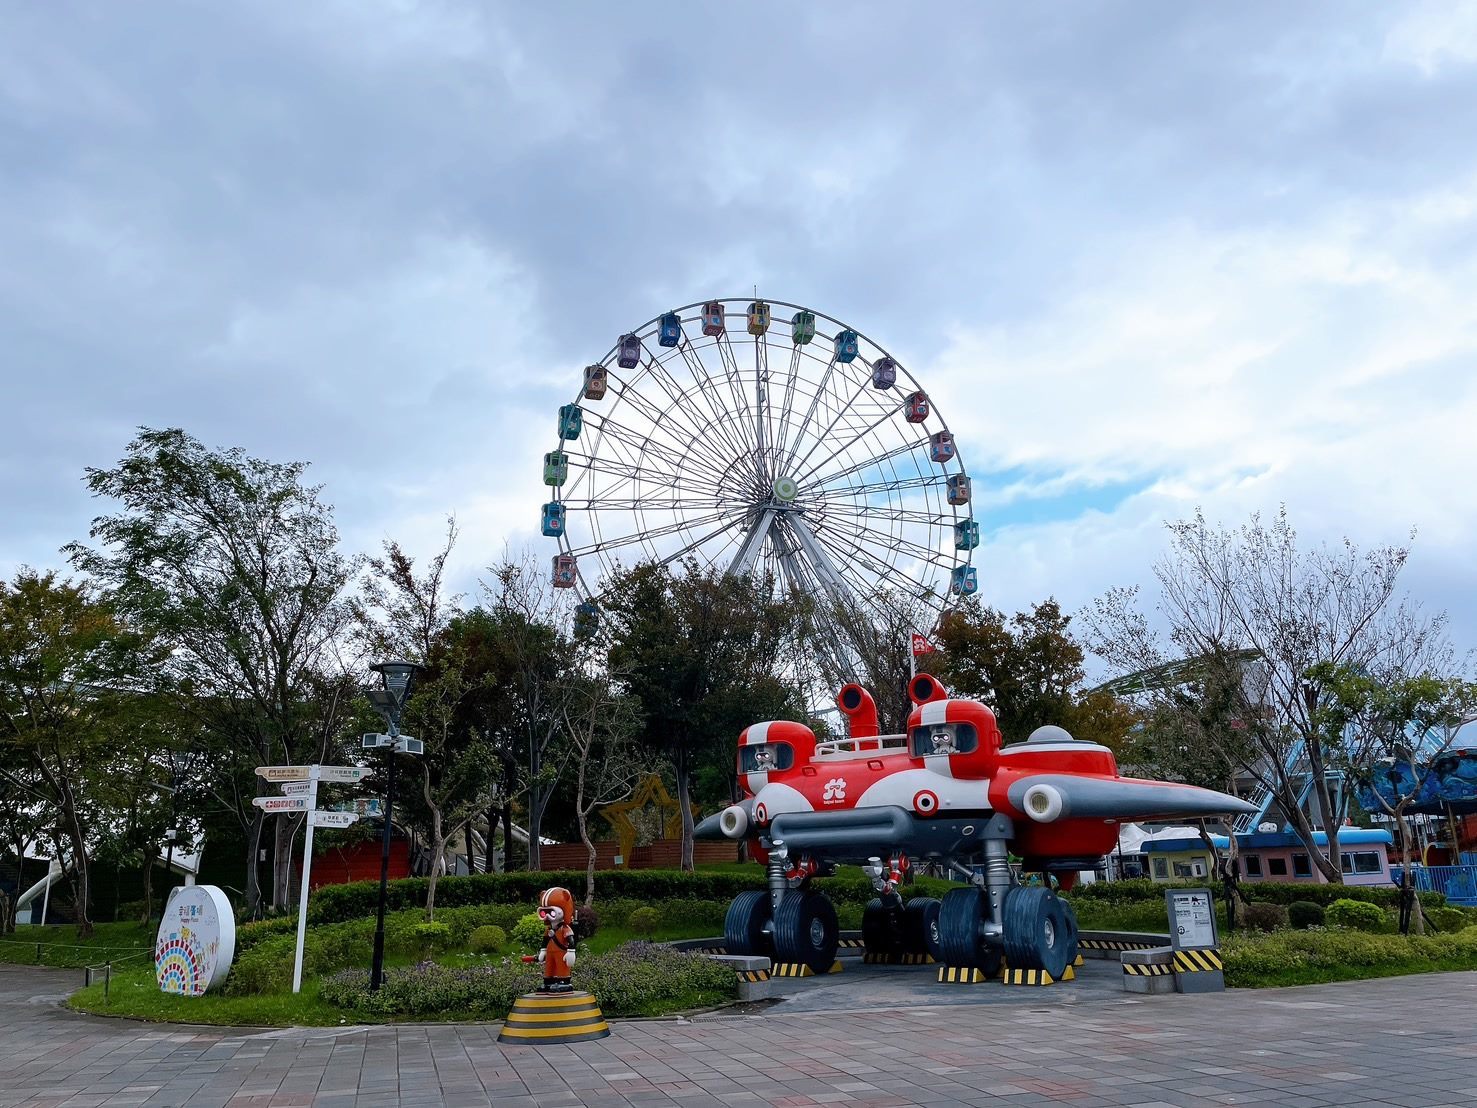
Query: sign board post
point(302, 900)
point(1192, 934)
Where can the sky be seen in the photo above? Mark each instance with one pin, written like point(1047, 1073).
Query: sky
point(1145, 258)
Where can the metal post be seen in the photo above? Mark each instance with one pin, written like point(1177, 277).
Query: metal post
point(302, 900)
point(377, 970)
point(51, 864)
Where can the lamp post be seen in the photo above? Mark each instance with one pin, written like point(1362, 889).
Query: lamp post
point(398, 676)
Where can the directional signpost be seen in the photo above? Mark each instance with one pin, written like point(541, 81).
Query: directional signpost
point(300, 794)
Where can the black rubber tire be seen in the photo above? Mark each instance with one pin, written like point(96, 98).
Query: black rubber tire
point(921, 927)
point(743, 926)
point(1075, 933)
point(1038, 932)
point(882, 926)
point(960, 914)
point(806, 932)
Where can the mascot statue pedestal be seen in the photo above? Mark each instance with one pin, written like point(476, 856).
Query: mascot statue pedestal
point(557, 1012)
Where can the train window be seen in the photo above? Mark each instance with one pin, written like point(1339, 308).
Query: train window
point(944, 738)
point(765, 757)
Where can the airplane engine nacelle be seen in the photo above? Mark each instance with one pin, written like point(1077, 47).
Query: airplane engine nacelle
point(1044, 803)
point(734, 822)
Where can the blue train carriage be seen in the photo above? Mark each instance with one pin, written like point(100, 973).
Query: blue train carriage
point(802, 328)
point(758, 317)
point(713, 318)
point(596, 382)
point(915, 408)
point(556, 468)
point(551, 522)
point(966, 534)
point(958, 489)
point(571, 421)
point(586, 619)
point(884, 373)
point(941, 447)
point(964, 581)
point(847, 345)
point(669, 329)
point(628, 351)
point(566, 571)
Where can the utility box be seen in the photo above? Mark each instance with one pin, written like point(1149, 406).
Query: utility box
point(1194, 940)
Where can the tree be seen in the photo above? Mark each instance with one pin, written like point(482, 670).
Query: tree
point(703, 653)
point(878, 632)
point(1028, 669)
point(1385, 731)
point(68, 667)
point(600, 728)
point(234, 563)
point(1255, 591)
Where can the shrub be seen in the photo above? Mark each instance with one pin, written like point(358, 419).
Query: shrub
point(1266, 917)
point(529, 932)
point(487, 939)
point(1357, 915)
point(1447, 919)
point(431, 937)
point(265, 968)
point(586, 922)
point(1301, 956)
point(1304, 914)
point(645, 921)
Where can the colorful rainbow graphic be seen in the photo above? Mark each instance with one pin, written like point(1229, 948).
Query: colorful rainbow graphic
point(177, 967)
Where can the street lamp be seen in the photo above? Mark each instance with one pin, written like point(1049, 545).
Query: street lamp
point(398, 677)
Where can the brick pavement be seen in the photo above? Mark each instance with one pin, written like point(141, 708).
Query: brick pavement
point(1401, 1041)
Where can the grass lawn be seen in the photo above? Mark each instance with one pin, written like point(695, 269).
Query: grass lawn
point(135, 993)
point(60, 946)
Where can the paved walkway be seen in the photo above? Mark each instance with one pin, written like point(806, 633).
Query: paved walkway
point(1401, 1041)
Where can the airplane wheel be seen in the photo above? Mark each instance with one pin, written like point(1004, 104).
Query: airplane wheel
point(882, 926)
point(1038, 931)
point(743, 926)
point(960, 939)
point(1075, 933)
point(921, 927)
point(805, 931)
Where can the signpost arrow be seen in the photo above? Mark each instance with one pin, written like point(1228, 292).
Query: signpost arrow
point(350, 774)
point(283, 773)
point(270, 804)
point(332, 819)
point(296, 788)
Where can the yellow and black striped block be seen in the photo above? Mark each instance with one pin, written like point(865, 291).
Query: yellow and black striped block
point(1068, 974)
point(543, 1019)
point(1028, 977)
point(961, 975)
point(850, 944)
point(753, 974)
point(876, 958)
point(1114, 944)
point(1197, 961)
point(1079, 960)
point(800, 969)
point(1133, 970)
point(915, 959)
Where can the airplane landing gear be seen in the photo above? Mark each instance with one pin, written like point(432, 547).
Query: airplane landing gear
point(883, 926)
point(1040, 931)
point(921, 927)
point(962, 940)
point(805, 931)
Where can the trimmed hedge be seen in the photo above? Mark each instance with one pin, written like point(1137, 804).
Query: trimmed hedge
point(337, 903)
point(1304, 914)
point(1296, 957)
point(1356, 915)
point(1276, 892)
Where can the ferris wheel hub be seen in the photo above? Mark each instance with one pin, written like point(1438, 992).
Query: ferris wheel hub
point(786, 489)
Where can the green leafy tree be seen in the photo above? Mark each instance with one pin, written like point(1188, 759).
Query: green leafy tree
point(234, 563)
point(1029, 669)
point(703, 654)
point(69, 667)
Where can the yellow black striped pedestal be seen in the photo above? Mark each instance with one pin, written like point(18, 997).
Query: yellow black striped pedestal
point(800, 969)
point(961, 975)
point(1196, 961)
point(1079, 961)
point(1029, 977)
point(753, 975)
point(1199, 971)
point(1132, 970)
point(544, 1019)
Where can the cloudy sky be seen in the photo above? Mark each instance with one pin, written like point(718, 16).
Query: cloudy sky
point(1145, 257)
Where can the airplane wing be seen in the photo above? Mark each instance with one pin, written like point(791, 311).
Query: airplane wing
point(1048, 797)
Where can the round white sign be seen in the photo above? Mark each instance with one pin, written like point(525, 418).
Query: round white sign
point(196, 941)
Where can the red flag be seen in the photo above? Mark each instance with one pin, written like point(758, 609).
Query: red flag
point(921, 645)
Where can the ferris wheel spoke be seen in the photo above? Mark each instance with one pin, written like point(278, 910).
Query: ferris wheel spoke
point(678, 463)
point(656, 417)
point(861, 391)
point(856, 438)
point(794, 446)
point(699, 371)
point(654, 533)
point(697, 544)
point(850, 554)
point(680, 405)
point(922, 481)
point(782, 434)
point(741, 401)
point(867, 463)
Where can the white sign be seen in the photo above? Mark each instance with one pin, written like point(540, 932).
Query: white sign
point(196, 941)
point(1191, 918)
point(283, 773)
point(295, 788)
point(350, 774)
point(272, 804)
point(333, 819)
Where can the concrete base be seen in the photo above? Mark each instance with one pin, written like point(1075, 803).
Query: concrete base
point(1148, 971)
point(545, 1019)
point(1200, 981)
point(752, 973)
point(1155, 985)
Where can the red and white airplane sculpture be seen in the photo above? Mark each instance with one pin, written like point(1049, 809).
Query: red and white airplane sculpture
point(949, 792)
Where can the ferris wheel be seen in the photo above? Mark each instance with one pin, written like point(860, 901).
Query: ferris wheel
point(720, 433)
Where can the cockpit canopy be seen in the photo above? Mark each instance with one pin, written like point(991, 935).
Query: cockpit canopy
point(929, 739)
point(766, 757)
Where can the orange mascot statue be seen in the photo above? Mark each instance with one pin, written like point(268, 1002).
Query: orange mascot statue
point(556, 910)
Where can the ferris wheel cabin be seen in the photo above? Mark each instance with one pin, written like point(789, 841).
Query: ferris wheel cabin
point(958, 489)
point(941, 447)
point(669, 329)
point(556, 468)
point(566, 571)
point(884, 373)
point(713, 318)
point(802, 328)
point(595, 382)
point(915, 408)
point(571, 421)
point(628, 352)
point(551, 523)
point(847, 345)
point(758, 317)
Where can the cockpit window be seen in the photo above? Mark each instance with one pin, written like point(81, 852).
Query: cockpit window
point(766, 757)
point(943, 738)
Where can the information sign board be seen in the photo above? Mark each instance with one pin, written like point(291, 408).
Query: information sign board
point(333, 819)
point(1191, 919)
point(196, 941)
point(275, 804)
